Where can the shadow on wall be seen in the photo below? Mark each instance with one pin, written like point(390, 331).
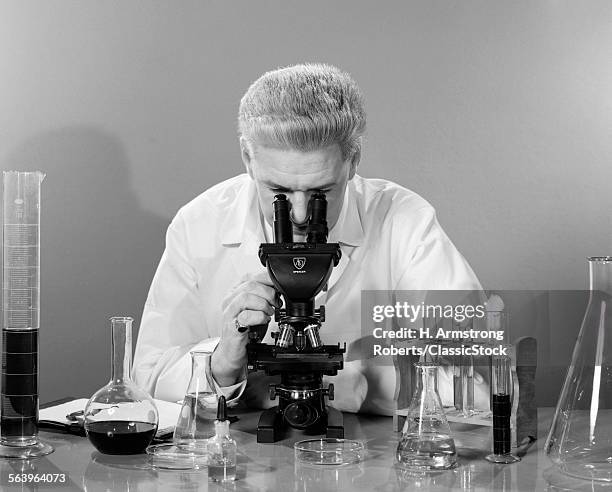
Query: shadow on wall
point(99, 251)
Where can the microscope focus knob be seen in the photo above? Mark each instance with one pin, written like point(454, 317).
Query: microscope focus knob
point(330, 391)
point(320, 313)
point(272, 391)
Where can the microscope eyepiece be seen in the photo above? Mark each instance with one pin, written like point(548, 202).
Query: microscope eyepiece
point(317, 226)
point(283, 232)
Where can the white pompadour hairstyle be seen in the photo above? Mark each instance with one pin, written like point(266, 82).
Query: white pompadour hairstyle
point(304, 107)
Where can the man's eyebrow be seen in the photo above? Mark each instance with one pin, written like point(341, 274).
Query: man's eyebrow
point(273, 185)
point(323, 187)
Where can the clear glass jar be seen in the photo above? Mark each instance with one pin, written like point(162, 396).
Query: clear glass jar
point(221, 454)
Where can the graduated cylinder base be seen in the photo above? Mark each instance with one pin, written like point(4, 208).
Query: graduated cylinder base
point(503, 459)
point(25, 452)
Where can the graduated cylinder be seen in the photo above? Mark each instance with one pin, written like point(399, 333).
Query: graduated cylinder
point(21, 303)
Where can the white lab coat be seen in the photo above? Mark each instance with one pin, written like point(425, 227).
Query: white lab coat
point(389, 237)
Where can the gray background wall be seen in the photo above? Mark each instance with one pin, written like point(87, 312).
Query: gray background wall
point(499, 113)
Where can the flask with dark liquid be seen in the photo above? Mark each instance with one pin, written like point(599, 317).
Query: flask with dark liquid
point(121, 418)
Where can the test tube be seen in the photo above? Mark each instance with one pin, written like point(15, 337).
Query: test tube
point(457, 386)
point(502, 411)
point(467, 385)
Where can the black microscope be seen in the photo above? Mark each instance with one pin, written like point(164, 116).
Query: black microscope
point(299, 271)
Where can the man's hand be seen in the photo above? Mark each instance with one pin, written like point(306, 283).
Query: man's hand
point(251, 302)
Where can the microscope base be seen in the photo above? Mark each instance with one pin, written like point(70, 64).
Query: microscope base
point(271, 427)
point(335, 423)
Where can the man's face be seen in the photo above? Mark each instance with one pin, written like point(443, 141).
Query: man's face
point(298, 175)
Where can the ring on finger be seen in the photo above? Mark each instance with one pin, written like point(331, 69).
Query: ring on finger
point(240, 327)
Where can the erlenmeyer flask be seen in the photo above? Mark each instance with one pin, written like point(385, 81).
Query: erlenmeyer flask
point(199, 411)
point(121, 418)
point(426, 442)
point(195, 425)
point(580, 440)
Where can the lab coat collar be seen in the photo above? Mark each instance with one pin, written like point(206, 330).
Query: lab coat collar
point(348, 229)
point(244, 221)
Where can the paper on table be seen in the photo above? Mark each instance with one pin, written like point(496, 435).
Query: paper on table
point(58, 412)
point(168, 413)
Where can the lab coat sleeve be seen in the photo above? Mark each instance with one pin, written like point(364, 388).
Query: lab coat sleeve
point(435, 264)
point(432, 262)
point(173, 325)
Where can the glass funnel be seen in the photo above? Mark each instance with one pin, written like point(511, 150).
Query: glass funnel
point(426, 442)
point(21, 315)
point(121, 418)
point(580, 438)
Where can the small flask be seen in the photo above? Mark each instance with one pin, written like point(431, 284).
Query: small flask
point(221, 449)
point(121, 418)
point(426, 442)
point(197, 415)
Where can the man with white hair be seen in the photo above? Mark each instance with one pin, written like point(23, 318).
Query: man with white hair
point(301, 131)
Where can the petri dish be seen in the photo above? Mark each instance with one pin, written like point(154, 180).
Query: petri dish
point(329, 451)
point(173, 456)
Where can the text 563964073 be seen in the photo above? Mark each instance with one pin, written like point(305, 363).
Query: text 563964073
point(36, 478)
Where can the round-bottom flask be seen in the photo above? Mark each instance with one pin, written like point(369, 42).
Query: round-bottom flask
point(426, 442)
point(121, 418)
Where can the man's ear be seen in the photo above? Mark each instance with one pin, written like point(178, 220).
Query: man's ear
point(355, 159)
point(247, 155)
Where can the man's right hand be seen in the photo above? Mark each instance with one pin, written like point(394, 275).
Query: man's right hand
point(251, 302)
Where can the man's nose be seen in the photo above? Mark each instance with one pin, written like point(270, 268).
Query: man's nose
point(299, 207)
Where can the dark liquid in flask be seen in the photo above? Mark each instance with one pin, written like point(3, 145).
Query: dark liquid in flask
point(502, 409)
point(121, 436)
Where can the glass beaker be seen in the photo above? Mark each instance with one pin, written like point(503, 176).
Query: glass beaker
point(579, 441)
point(426, 442)
point(21, 315)
point(121, 418)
